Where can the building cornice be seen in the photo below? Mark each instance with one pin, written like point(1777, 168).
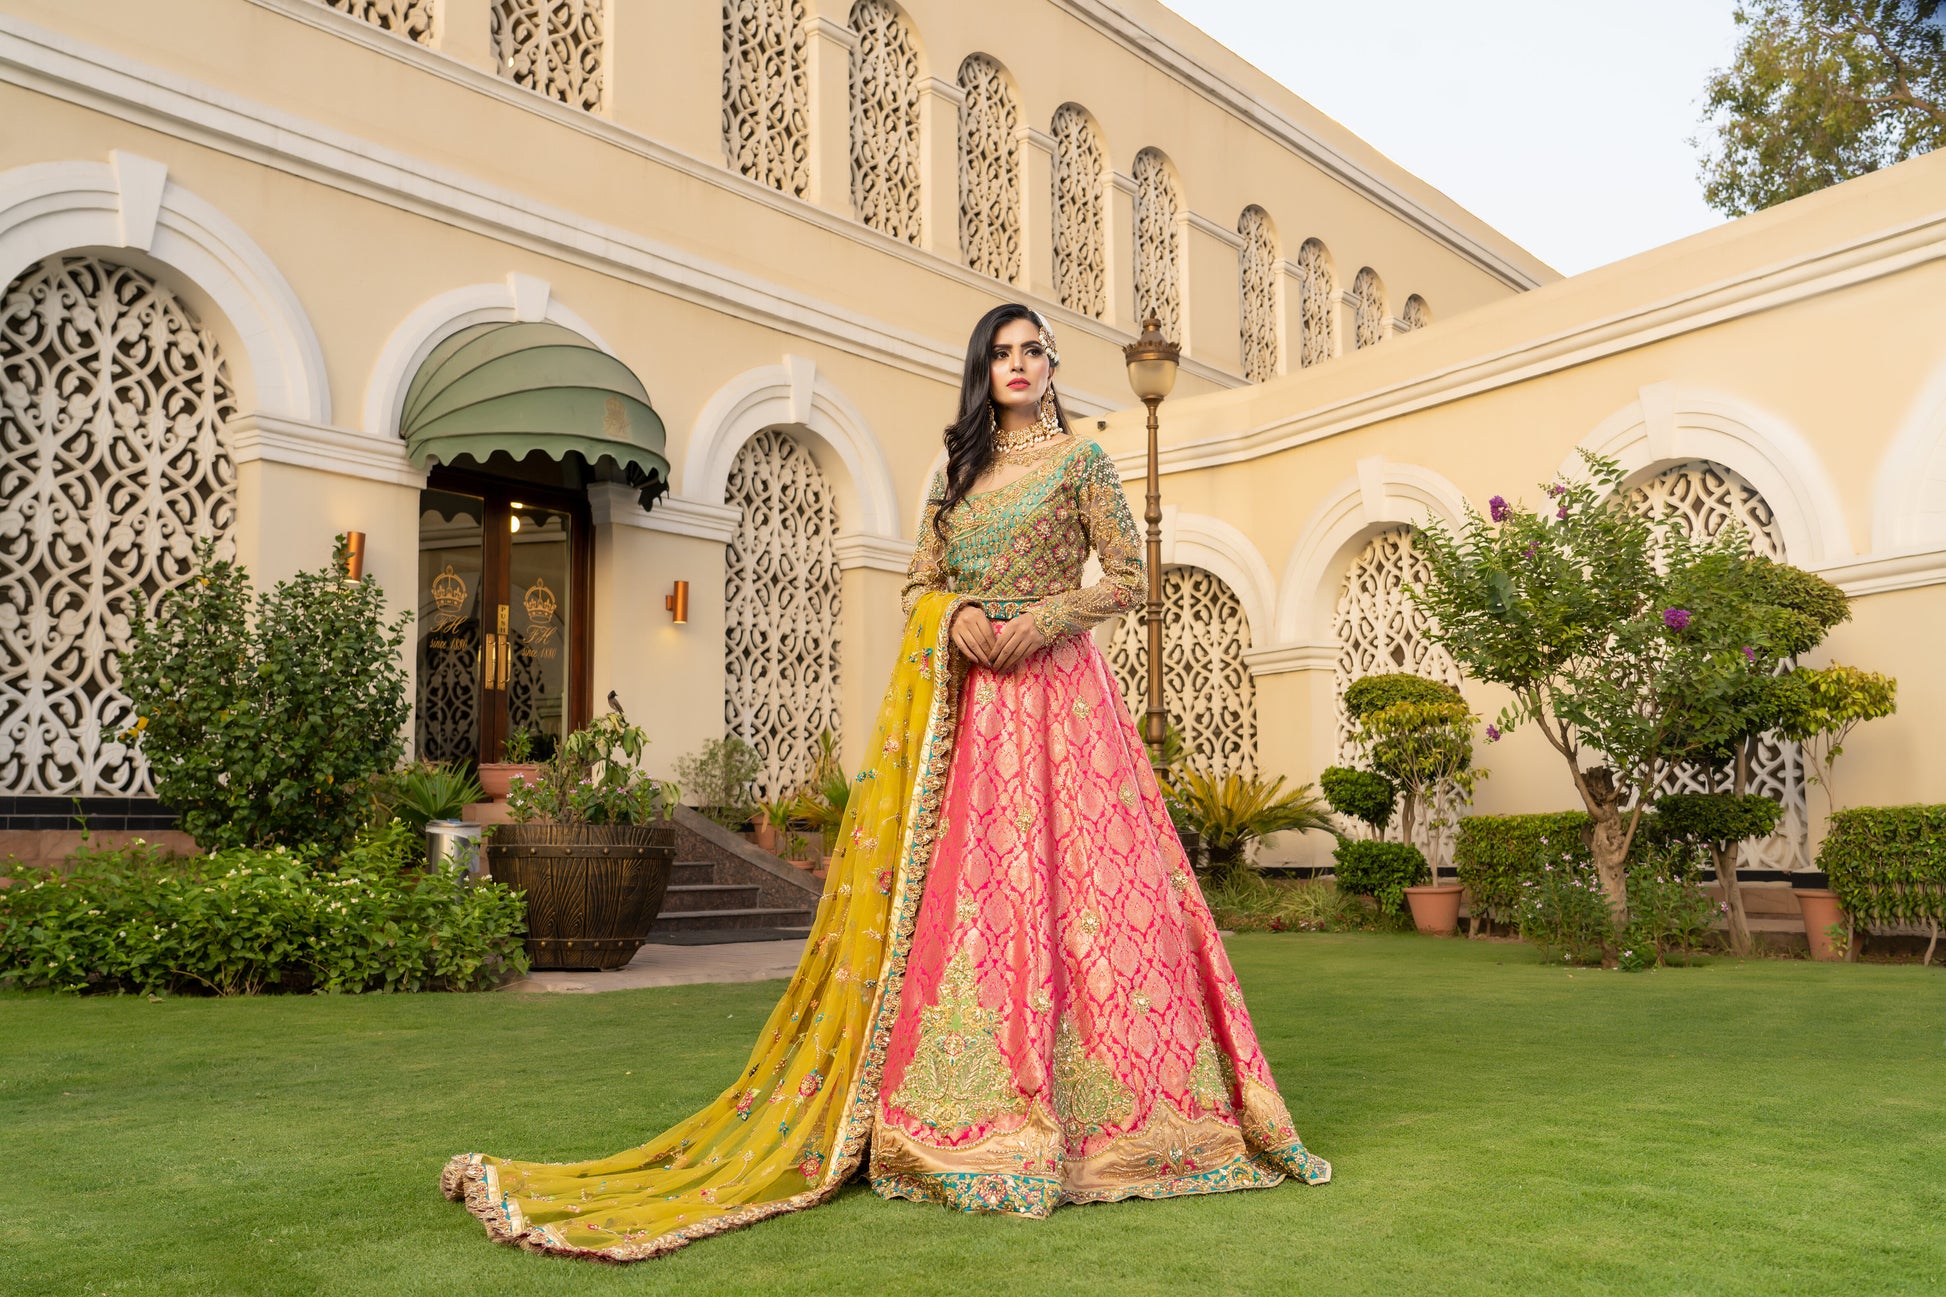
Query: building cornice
point(259, 436)
point(612, 504)
point(875, 553)
point(1277, 659)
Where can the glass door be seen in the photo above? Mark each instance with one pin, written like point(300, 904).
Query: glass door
point(504, 577)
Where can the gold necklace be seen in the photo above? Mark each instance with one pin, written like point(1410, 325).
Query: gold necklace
point(1024, 445)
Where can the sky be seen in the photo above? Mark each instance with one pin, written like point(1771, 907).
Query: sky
point(1564, 124)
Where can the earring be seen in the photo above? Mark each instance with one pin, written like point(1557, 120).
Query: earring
point(993, 419)
point(1047, 404)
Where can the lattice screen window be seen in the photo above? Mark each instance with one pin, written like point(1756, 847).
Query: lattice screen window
point(1367, 309)
point(553, 47)
point(1317, 294)
point(1379, 627)
point(781, 609)
point(114, 462)
point(1158, 244)
point(1206, 686)
point(411, 19)
point(766, 119)
point(885, 121)
point(989, 170)
point(1257, 275)
point(1417, 315)
point(1080, 262)
point(1703, 497)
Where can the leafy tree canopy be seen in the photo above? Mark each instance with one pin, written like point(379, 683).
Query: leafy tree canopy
point(1821, 91)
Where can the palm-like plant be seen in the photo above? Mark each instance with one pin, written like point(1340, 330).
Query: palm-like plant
point(1232, 811)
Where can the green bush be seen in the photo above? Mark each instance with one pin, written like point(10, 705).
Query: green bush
point(1715, 817)
point(1364, 795)
point(262, 723)
point(1250, 902)
point(1496, 854)
point(1369, 694)
point(1382, 870)
point(1888, 864)
point(1562, 908)
point(1668, 911)
point(248, 920)
point(721, 778)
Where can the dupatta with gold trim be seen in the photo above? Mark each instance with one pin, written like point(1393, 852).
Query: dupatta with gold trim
point(796, 1123)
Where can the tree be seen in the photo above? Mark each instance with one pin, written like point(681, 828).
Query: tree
point(1598, 620)
point(1821, 707)
point(1417, 737)
point(1821, 91)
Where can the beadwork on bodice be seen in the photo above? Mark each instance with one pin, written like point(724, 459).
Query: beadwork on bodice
point(1021, 547)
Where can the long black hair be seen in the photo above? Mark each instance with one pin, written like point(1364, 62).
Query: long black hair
point(969, 438)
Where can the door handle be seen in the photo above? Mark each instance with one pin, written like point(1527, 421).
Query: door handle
point(490, 653)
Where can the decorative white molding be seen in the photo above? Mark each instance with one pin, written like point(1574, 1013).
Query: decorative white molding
point(944, 89)
point(1198, 540)
point(819, 27)
point(794, 395)
point(875, 553)
point(1885, 573)
point(1668, 423)
point(616, 505)
point(520, 297)
point(261, 436)
point(55, 207)
point(1281, 658)
point(1227, 237)
point(1381, 494)
point(1909, 495)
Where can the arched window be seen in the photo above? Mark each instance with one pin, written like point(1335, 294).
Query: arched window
point(766, 129)
point(1080, 264)
point(1367, 309)
point(1257, 279)
point(1704, 497)
point(885, 121)
point(1206, 685)
point(780, 609)
point(411, 19)
point(1379, 628)
point(114, 462)
point(1158, 250)
point(1417, 315)
point(555, 47)
point(1317, 291)
point(989, 170)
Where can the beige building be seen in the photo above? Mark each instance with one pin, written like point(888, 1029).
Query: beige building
point(561, 304)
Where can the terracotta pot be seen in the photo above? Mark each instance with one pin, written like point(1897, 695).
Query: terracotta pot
point(1435, 910)
point(1821, 910)
point(496, 777)
point(767, 837)
point(803, 864)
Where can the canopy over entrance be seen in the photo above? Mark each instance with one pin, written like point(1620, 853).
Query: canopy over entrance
point(518, 388)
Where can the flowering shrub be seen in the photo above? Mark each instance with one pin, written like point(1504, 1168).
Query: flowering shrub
point(246, 920)
point(1668, 911)
point(1563, 910)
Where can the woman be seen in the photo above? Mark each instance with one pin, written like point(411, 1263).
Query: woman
point(1013, 995)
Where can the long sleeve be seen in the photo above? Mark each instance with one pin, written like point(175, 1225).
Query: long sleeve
point(1110, 528)
point(927, 571)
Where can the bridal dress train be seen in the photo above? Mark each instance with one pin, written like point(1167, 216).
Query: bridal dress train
point(1013, 996)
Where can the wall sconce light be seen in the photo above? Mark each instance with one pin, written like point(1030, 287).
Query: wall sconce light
point(677, 602)
point(354, 555)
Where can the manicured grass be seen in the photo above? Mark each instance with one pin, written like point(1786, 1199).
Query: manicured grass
point(1497, 1126)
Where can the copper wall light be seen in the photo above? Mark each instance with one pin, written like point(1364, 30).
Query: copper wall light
point(354, 555)
point(677, 602)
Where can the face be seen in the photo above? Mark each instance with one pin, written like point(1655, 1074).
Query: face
point(1020, 367)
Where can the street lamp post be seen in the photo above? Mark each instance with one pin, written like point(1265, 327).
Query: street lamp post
point(1152, 361)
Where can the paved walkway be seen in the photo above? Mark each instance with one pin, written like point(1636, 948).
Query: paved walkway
point(660, 965)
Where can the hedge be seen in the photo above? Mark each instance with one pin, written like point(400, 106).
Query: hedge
point(1888, 864)
point(1493, 854)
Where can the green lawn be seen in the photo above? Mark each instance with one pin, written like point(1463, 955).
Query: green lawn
point(1497, 1127)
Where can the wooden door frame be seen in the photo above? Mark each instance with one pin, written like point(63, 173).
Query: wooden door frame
point(498, 493)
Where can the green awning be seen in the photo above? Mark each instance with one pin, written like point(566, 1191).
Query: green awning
point(519, 388)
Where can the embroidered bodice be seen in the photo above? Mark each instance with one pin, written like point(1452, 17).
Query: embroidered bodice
point(1019, 548)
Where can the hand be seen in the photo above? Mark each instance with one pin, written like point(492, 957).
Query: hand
point(1018, 638)
point(973, 635)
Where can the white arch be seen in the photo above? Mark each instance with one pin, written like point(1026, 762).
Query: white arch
point(1668, 423)
point(130, 203)
point(1380, 494)
point(794, 395)
point(1198, 540)
point(519, 297)
point(1909, 497)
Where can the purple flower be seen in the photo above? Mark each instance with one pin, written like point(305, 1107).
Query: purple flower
point(1676, 618)
point(1749, 654)
point(1562, 513)
point(1557, 489)
point(1497, 508)
point(1533, 549)
point(1493, 733)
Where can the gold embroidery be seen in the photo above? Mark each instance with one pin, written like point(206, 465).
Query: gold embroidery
point(1087, 1093)
point(957, 1077)
point(985, 691)
point(1207, 1084)
point(965, 910)
point(1179, 881)
point(1081, 707)
point(1040, 1001)
point(1024, 820)
point(1127, 794)
point(1139, 1002)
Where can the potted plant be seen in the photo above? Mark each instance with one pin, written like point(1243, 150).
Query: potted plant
point(798, 851)
point(820, 804)
point(517, 761)
point(773, 818)
point(1233, 811)
point(1417, 736)
point(427, 791)
point(591, 845)
point(720, 778)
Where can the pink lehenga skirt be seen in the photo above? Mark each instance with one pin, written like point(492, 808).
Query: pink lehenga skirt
point(1069, 1028)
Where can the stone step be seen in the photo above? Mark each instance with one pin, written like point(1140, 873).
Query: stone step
point(689, 897)
point(750, 917)
point(692, 873)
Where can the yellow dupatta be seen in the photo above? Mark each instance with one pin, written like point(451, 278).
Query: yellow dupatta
point(795, 1125)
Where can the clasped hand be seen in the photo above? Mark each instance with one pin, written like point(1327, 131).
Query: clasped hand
point(1001, 650)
